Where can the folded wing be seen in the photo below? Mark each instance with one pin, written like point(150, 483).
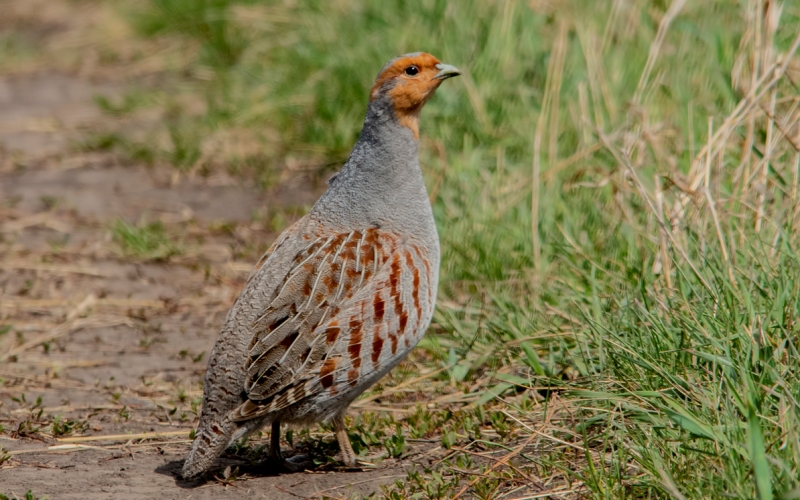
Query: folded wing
point(351, 303)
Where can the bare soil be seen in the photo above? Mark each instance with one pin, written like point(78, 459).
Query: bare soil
point(113, 344)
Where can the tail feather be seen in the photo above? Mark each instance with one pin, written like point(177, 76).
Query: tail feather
point(209, 444)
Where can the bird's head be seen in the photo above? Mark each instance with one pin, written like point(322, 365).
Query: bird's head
point(407, 82)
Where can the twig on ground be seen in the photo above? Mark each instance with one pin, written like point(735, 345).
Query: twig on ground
point(55, 268)
point(502, 461)
point(64, 328)
point(125, 437)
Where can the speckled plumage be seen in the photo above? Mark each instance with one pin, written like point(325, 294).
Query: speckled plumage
point(343, 294)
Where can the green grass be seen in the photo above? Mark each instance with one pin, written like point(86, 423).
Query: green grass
point(28, 496)
point(17, 48)
point(147, 241)
point(655, 336)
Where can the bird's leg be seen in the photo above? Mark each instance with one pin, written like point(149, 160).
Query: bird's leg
point(296, 463)
point(275, 443)
point(348, 455)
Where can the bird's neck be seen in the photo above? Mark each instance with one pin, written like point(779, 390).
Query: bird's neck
point(385, 126)
point(381, 180)
point(387, 145)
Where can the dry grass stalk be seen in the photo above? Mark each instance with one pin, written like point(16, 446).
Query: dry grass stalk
point(535, 178)
point(58, 448)
point(662, 263)
point(587, 40)
point(320, 492)
point(499, 461)
point(475, 100)
point(720, 236)
point(772, 17)
point(751, 36)
point(62, 329)
point(623, 160)
point(62, 409)
point(42, 219)
point(783, 128)
point(68, 448)
point(585, 118)
point(708, 151)
point(669, 484)
point(718, 142)
point(795, 180)
point(559, 54)
point(655, 48)
point(54, 268)
point(388, 409)
point(584, 153)
point(502, 461)
point(613, 16)
point(389, 390)
point(126, 437)
point(555, 71)
point(106, 302)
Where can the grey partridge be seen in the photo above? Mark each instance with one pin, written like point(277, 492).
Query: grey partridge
point(343, 295)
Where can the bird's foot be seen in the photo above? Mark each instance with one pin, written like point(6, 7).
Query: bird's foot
point(298, 463)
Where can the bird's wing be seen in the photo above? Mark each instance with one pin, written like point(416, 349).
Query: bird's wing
point(350, 301)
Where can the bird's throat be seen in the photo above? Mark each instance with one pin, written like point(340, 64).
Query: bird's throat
point(409, 120)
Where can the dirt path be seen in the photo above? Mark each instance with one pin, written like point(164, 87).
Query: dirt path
point(116, 345)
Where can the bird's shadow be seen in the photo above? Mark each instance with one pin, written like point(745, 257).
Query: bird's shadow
point(311, 454)
point(228, 468)
point(218, 471)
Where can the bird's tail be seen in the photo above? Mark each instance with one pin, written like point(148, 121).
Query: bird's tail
point(209, 443)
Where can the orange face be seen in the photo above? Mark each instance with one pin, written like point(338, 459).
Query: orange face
point(411, 81)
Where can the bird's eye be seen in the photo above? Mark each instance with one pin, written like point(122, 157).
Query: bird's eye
point(412, 70)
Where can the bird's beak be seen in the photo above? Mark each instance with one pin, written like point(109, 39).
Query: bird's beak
point(446, 71)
